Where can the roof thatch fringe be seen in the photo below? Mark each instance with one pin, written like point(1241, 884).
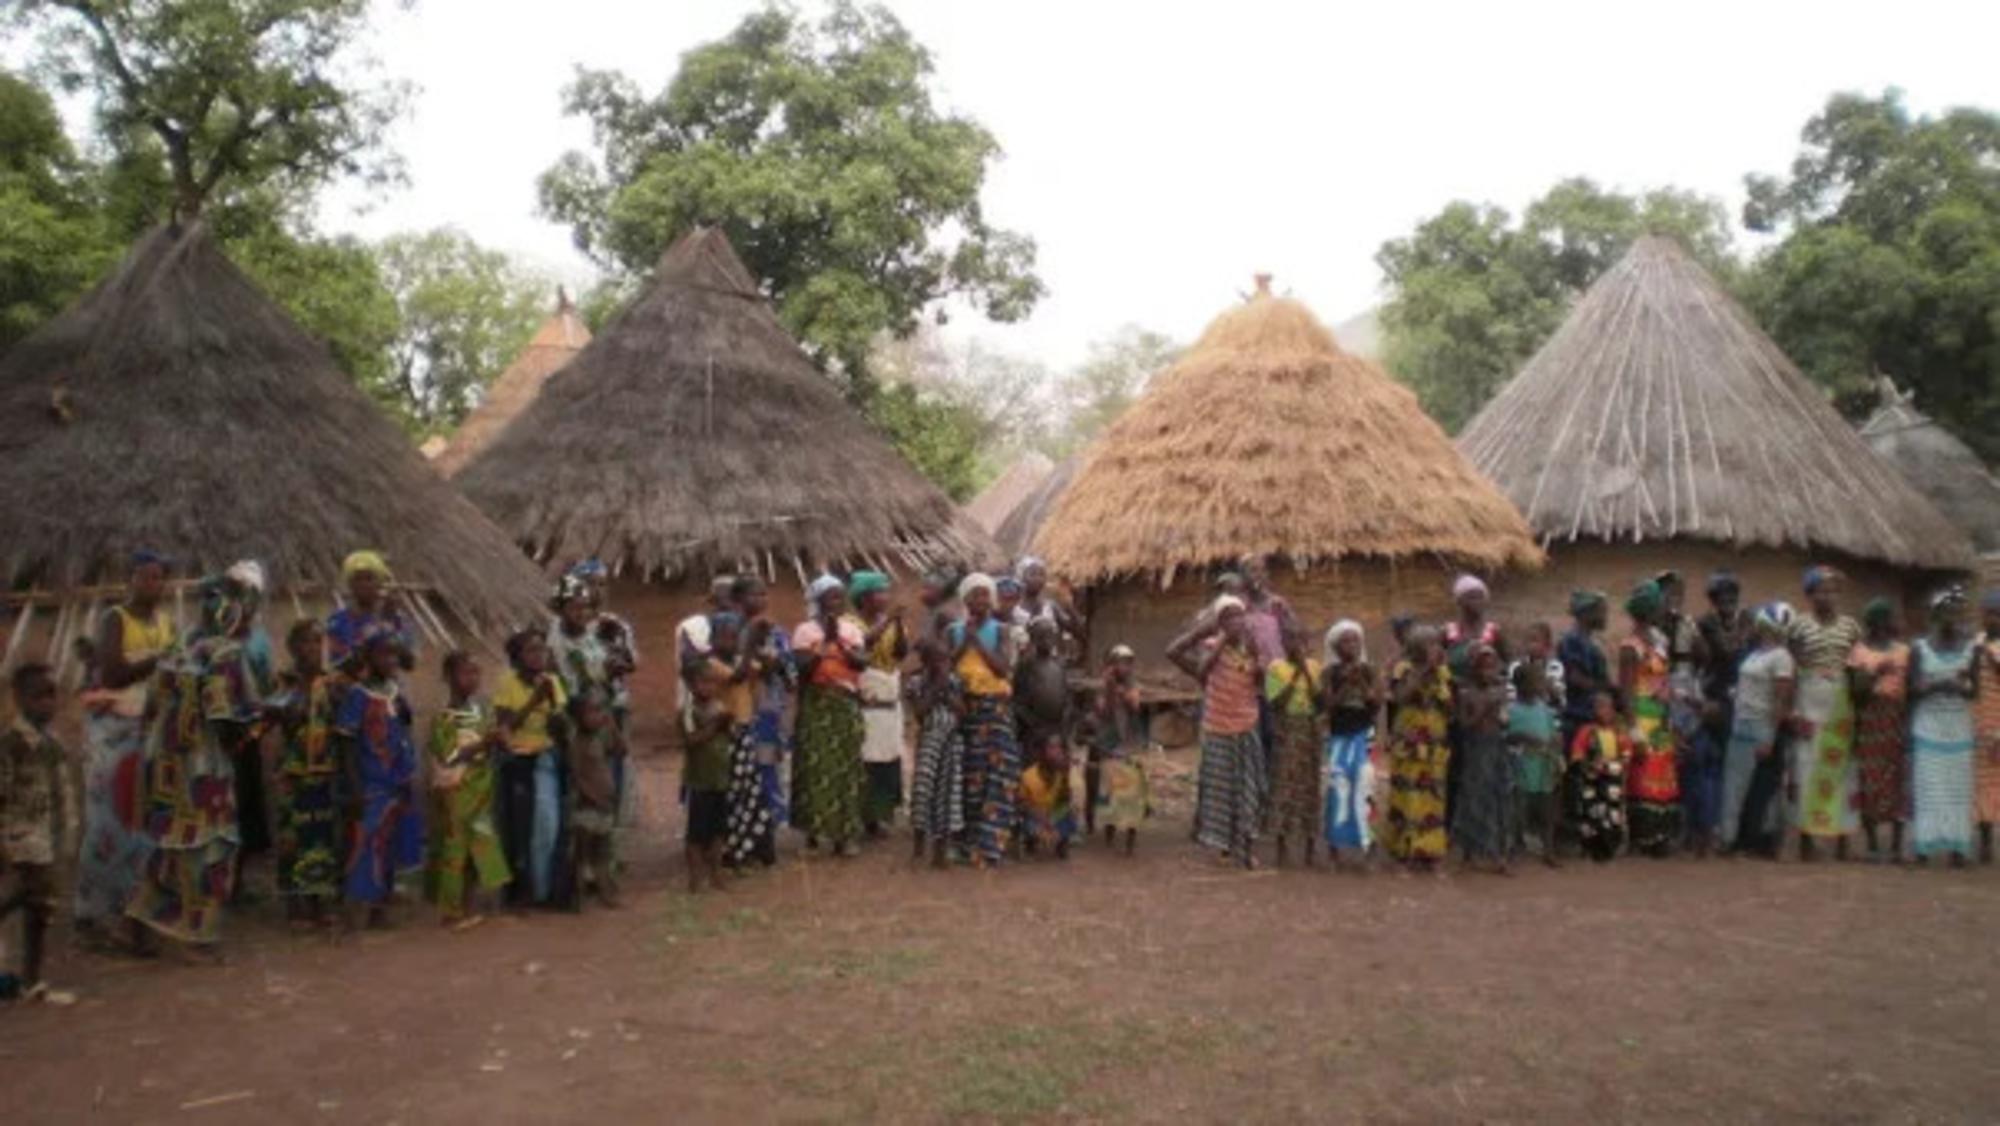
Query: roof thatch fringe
point(1659, 410)
point(553, 346)
point(1940, 466)
point(693, 432)
point(1265, 437)
point(990, 508)
point(203, 423)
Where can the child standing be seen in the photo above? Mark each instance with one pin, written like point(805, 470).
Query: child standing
point(706, 728)
point(1598, 756)
point(1047, 814)
point(595, 743)
point(1531, 735)
point(528, 710)
point(937, 808)
point(1291, 690)
point(309, 844)
point(1115, 782)
point(386, 828)
point(1485, 822)
point(1041, 689)
point(465, 847)
point(1353, 698)
point(35, 813)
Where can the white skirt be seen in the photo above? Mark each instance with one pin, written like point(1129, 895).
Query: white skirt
point(881, 716)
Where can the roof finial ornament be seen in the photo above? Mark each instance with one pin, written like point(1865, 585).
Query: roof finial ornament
point(1263, 284)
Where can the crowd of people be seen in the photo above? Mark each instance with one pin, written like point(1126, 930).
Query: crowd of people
point(1741, 730)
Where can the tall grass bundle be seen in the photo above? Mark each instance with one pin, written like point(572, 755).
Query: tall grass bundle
point(1660, 410)
point(1938, 465)
point(693, 435)
point(553, 346)
point(1266, 437)
point(178, 408)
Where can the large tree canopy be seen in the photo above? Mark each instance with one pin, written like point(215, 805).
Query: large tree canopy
point(238, 93)
point(818, 148)
point(1474, 293)
point(465, 312)
point(52, 236)
point(1890, 258)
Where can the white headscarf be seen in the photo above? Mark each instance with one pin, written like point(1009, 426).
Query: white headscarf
point(248, 574)
point(978, 580)
point(1340, 629)
point(1467, 584)
point(1227, 602)
point(821, 587)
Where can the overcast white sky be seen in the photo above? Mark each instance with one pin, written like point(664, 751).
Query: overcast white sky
point(1160, 153)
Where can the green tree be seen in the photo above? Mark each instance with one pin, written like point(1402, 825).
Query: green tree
point(954, 411)
point(1473, 293)
point(238, 93)
point(1104, 385)
point(936, 434)
point(465, 312)
point(52, 240)
point(1889, 260)
point(818, 148)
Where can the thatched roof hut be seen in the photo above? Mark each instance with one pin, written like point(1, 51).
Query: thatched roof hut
point(1265, 437)
point(693, 437)
point(1659, 414)
point(1941, 467)
point(553, 346)
point(178, 408)
point(996, 500)
point(1017, 532)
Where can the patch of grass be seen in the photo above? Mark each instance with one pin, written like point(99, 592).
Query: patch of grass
point(685, 919)
point(1029, 1070)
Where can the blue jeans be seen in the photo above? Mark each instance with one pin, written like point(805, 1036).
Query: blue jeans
point(546, 826)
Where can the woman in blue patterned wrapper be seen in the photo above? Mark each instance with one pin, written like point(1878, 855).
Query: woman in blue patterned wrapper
point(370, 610)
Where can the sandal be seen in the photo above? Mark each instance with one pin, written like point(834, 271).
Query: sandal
point(41, 993)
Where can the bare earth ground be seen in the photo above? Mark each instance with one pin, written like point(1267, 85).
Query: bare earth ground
point(1158, 989)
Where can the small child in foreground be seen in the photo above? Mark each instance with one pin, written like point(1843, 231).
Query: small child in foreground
point(1599, 753)
point(466, 858)
point(1532, 736)
point(594, 746)
point(707, 728)
point(311, 838)
point(35, 813)
point(385, 826)
point(1048, 816)
point(1115, 780)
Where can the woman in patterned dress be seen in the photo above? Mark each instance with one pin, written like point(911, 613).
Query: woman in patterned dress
point(1222, 657)
point(1292, 697)
point(982, 654)
point(827, 775)
point(1420, 686)
point(309, 834)
point(1822, 767)
point(1652, 779)
point(1879, 673)
point(1353, 700)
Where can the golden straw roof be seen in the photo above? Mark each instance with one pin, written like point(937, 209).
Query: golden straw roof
point(554, 345)
point(1660, 410)
point(1266, 437)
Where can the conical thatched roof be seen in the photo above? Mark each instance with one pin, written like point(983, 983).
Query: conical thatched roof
point(1941, 467)
point(1266, 437)
point(198, 420)
point(1660, 410)
point(693, 434)
point(554, 345)
point(1008, 490)
point(1017, 532)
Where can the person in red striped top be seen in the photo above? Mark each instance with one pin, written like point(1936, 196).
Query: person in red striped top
point(1220, 654)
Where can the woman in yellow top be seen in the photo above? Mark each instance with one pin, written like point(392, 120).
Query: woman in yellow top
point(1291, 688)
point(983, 656)
point(131, 639)
point(527, 711)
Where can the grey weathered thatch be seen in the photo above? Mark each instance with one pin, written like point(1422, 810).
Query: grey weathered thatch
point(1941, 467)
point(178, 408)
point(1018, 531)
point(1660, 410)
point(693, 435)
point(1008, 490)
point(553, 346)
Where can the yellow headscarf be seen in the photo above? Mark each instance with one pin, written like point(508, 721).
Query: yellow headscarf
point(369, 561)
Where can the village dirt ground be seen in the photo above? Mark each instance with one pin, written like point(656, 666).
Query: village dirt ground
point(1156, 989)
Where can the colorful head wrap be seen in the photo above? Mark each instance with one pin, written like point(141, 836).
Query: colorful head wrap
point(591, 570)
point(370, 562)
point(1399, 624)
point(1645, 600)
point(1343, 628)
point(227, 602)
point(1582, 602)
point(724, 619)
point(146, 557)
point(1878, 612)
point(569, 588)
point(866, 582)
point(820, 588)
point(1465, 585)
point(978, 580)
point(1774, 619)
point(1818, 575)
point(1007, 584)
